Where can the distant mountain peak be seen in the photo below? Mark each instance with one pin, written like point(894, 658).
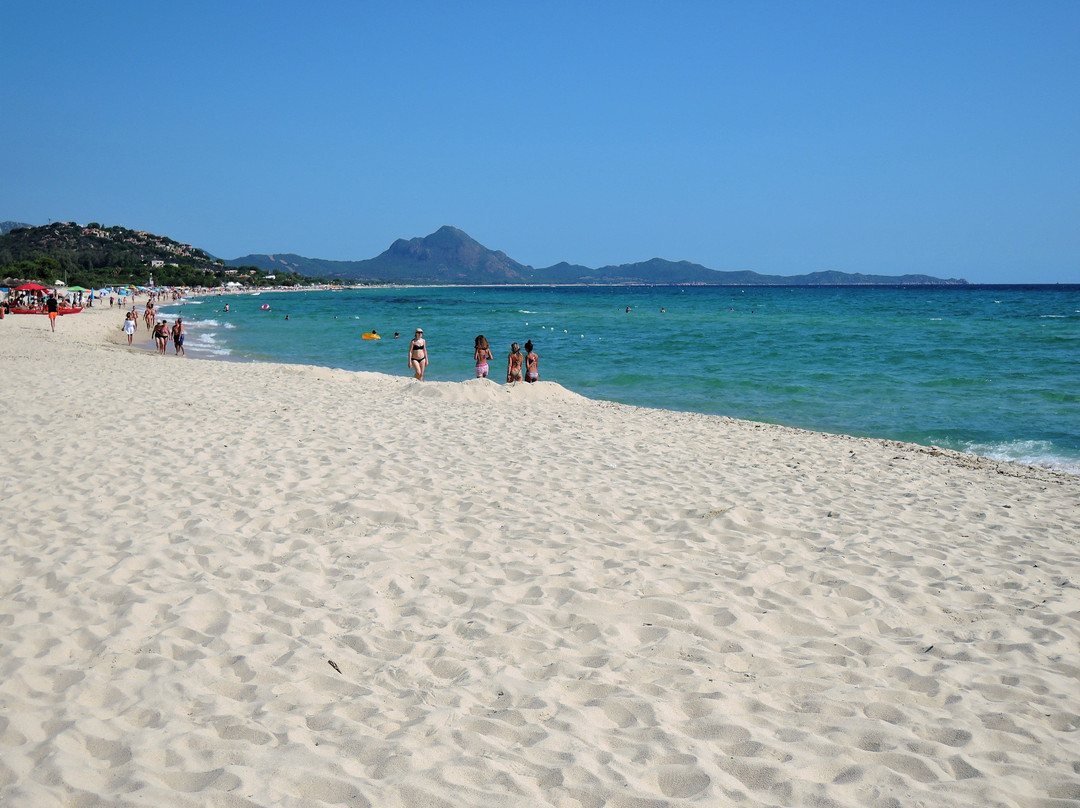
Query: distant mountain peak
point(448, 255)
point(449, 231)
point(452, 256)
point(7, 227)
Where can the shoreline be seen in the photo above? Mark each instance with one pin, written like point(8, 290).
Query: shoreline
point(256, 583)
point(1057, 462)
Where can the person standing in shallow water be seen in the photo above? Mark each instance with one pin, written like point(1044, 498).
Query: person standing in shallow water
point(513, 364)
point(418, 355)
point(481, 354)
point(532, 363)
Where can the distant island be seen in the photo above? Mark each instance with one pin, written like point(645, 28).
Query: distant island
point(450, 256)
point(96, 256)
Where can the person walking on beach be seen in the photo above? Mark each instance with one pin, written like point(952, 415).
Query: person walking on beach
point(131, 323)
point(481, 354)
point(52, 305)
point(178, 337)
point(532, 363)
point(513, 364)
point(161, 336)
point(418, 355)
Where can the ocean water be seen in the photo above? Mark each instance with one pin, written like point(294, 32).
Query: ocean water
point(989, 370)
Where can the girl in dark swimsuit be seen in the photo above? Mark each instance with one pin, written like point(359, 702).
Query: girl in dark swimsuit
point(532, 363)
point(418, 358)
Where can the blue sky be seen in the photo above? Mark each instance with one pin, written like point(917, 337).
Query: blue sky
point(783, 137)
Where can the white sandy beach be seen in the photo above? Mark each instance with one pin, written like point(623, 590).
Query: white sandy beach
point(236, 584)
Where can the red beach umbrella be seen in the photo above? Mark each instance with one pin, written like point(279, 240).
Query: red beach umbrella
point(31, 287)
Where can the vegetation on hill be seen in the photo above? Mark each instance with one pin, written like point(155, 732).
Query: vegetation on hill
point(94, 257)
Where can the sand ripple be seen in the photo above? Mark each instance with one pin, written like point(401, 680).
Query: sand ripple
point(297, 586)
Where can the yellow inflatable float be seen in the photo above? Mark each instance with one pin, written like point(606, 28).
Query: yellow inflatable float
point(372, 335)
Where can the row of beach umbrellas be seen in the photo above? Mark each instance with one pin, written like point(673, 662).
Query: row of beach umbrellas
point(39, 288)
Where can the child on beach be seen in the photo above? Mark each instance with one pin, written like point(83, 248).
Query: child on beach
point(53, 306)
point(513, 364)
point(532, 363)
point(481, 354)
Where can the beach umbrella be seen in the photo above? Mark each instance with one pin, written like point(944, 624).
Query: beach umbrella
point(31, 287)
point(77, 289)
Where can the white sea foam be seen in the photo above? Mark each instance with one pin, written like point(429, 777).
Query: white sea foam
point(211, 350)
point(1040, 453)
point(205, 342)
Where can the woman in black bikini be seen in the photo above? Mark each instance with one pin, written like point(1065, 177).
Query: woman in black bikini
point(418, 358)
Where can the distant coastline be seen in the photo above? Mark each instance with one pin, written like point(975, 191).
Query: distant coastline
point(96, 256)
point(451, 257)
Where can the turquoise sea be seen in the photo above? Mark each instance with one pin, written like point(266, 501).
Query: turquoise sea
point(993, 370)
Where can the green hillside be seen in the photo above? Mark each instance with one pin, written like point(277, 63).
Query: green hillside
point(94, 256)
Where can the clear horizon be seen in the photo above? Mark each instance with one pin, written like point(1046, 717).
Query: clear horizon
point(886, 139)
